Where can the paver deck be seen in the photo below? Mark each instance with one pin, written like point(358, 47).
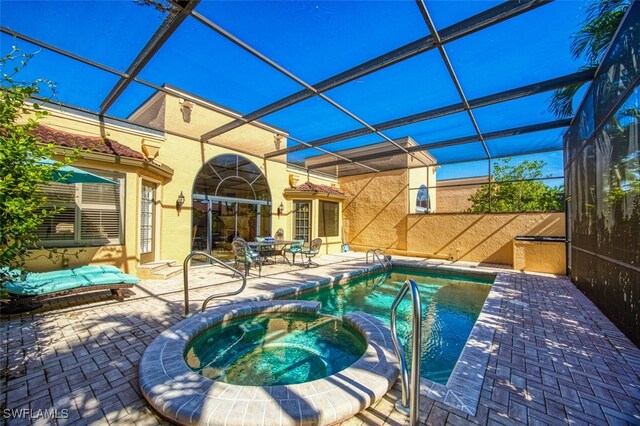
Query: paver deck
point(554, 358)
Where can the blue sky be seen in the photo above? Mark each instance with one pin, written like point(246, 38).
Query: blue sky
point(314, 40)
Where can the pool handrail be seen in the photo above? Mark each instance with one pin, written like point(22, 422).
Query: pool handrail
point(185, 278)
point(374, 252)
point(410, 402)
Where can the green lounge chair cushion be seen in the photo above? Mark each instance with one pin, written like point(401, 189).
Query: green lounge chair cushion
point(47, 276)
point(96, 269)
point(35, 284)
point(110, 278)
point(35, 288)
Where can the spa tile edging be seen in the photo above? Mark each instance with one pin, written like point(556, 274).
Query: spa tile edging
point(183, 396)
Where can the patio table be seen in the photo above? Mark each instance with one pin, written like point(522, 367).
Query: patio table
point(259, 245)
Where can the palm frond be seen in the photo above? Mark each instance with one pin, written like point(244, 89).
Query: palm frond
point(561, 102)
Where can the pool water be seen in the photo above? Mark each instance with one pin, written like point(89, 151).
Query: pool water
point(450, 306)
point(275, 349)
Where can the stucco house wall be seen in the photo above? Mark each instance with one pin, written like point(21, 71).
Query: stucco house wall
point(180, 149)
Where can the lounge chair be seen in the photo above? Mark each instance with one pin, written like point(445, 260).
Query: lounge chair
point(311, 251)
point(32, 288)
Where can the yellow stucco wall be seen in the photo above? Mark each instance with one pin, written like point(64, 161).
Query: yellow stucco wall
point(375, 215)
point(540, 256)
point(375, 211)
point(478, 237)
point(123, 256)
point(455, 199)
point(180, 150)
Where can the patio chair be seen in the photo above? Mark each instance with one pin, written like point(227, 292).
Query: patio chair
point(28, 290)
point(243, 254)
point(311, 251)
point(294, 248)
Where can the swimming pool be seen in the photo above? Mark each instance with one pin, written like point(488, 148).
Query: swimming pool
point(450, 306)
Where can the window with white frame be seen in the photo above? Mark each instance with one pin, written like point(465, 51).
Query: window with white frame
point(302, 220)
point(90, 213)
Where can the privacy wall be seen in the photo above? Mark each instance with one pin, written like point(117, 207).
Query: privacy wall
point(375, 214)
point(602, 173)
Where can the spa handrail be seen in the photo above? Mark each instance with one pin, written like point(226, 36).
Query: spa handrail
point(409, 404)
point(185, 277)
point(375, 252)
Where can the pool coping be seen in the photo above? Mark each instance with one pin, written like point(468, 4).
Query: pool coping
point(183, 396)
point(462, 390)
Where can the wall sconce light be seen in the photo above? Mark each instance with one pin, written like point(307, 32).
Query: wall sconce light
point(280, 209)
point(180, 202)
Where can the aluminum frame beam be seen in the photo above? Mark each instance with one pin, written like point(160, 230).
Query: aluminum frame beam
point(528, 90)
point(207, 22)
point(456, 82)
point(468, 26)
point(59, 51)
point(159, 38)
point(459, 141)
point(198, 101)
point(164, 90)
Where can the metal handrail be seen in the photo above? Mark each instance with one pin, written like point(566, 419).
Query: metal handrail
point(409, 404)
point(185, 277)
point(375, 252)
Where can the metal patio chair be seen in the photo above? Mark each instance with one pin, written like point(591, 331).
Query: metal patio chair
point(244, 255)
point(311, 251)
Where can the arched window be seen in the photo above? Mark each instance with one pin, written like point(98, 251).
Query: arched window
point(233, 176)
point(422, 200)
point(231, 198)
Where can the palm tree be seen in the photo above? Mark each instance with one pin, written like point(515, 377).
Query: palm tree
point(602, 19)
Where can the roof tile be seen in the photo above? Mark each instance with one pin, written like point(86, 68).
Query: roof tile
point(94, 144)
point(316, 187)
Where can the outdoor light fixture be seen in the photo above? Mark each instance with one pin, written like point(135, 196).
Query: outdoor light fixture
point(180, 202)
point(280, 209)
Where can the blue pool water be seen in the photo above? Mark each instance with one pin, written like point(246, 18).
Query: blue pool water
point(450, 306)
point(275, 349)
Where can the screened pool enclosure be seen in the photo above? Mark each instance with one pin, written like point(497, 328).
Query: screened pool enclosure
point(469, 83)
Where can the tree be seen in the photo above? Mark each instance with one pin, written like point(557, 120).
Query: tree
point(602, 19)
point(23, 205)
point(512, 190)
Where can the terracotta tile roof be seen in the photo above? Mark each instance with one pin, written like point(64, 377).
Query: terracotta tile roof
point(95, 144)
point(315, 187)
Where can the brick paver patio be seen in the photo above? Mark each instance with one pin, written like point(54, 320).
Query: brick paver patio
point(555, 359)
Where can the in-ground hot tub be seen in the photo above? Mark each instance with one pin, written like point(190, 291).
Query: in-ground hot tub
point(273, 349)
point(275, 362)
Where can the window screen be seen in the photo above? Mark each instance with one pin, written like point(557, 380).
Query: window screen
point(328, 219)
